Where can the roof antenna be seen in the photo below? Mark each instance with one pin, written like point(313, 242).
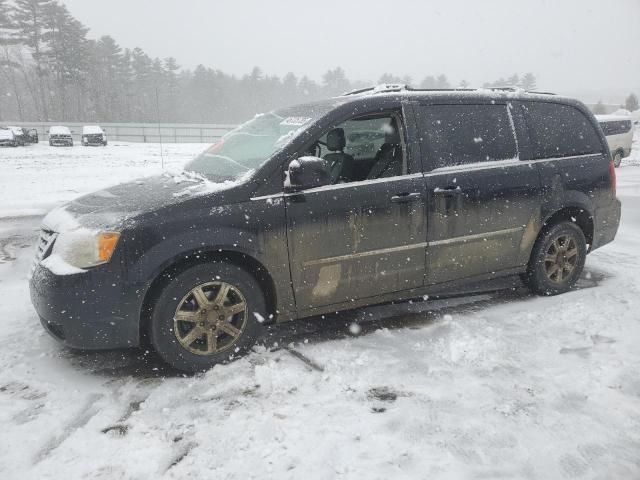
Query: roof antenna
point(159, 128)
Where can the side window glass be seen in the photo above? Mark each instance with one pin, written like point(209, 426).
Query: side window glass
point(559, 131)
point(616, 127)
point(363, 149)
point(465, 134)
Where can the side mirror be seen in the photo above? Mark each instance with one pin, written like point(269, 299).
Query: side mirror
point(307, 172)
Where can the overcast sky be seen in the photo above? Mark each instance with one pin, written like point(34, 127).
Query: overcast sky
point(571, 45)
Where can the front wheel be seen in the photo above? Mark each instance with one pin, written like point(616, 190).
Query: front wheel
point(557, 259)
point(617, 159)
point(207, 315)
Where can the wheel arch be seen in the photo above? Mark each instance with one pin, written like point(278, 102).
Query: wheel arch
point(185, 260)
point(582, 217)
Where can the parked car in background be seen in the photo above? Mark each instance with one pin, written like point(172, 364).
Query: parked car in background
point(279, 222)
point(20, 135)
point(31, 136)
point(618, 130)
point(93, 135)
point(60, 136)
point(7, 137)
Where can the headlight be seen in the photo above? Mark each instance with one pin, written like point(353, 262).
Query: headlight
point(83, 248)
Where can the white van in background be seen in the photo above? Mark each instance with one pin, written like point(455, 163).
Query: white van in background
point(619, 132)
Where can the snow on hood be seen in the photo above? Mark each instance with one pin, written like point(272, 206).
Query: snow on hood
point(59, 130)
point(92, 130)
point(118, 206)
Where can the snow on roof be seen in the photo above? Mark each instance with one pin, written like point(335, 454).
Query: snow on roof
point(612, 118)
point(90, 129)
point(6, 133)
point(59, 130)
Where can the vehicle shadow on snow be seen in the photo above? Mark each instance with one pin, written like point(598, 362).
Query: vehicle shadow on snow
point(144, 363)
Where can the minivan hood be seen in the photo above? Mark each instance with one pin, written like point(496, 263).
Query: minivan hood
point(118, 206)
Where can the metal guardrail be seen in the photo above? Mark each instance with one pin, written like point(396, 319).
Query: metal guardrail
point(138, 132)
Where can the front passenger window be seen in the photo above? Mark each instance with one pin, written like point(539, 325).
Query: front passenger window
point(364, 148)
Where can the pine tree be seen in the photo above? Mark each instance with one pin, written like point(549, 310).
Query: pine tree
point(631, 103)
point(529, 82)
point(335, 82)
point(30, 17)
point(429, 82)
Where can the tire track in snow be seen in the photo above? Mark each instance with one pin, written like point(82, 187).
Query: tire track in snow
point(86, 413)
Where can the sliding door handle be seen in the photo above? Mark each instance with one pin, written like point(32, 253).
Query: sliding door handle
point(447, 191)
point(406, 197)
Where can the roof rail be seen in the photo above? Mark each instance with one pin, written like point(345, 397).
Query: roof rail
point(382, 88)
point(397, 87)
point(516, 88)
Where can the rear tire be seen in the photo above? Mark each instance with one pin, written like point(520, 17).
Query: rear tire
point(207, 314)
point(557, 259)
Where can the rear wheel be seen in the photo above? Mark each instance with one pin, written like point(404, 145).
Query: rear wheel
point(557, 259)
point(207, 315)
point(617, 159)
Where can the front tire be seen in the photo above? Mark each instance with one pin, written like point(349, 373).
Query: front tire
point(617, 159)
point(207, 314)
point(557, 259)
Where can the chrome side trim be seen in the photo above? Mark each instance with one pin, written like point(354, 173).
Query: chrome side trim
point(413, 246)
point(438, 171)
point(351, 256)
point(501, 164)
point(476, 236)
point(339, 186)
point(267, 197)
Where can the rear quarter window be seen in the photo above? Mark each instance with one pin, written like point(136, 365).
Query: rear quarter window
point(464, 134)
point(557, 130)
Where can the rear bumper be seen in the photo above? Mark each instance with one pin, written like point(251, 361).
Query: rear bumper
point(606, 223)
point(85, 311)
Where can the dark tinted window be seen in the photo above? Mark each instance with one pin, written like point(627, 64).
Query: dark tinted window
point(616, 127)
point(463, 134)
point(559, 131)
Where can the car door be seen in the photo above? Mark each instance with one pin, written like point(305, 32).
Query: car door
point(483, 202)
point(358, 239)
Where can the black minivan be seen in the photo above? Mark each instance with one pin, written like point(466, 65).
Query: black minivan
point(380, 195)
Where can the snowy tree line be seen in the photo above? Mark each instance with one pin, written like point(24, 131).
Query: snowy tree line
point(50, 70)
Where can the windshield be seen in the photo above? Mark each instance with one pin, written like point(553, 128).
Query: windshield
point(245, 148)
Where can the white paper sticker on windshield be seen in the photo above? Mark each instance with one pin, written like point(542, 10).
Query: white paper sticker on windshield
point(295, 121)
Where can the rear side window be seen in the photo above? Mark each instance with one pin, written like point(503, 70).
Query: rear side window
point(616, 127)
point(559, 131)
point(464, 134)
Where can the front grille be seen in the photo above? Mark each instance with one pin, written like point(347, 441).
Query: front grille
point(44, 246)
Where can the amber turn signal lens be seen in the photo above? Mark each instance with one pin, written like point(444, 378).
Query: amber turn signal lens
point(107, 242)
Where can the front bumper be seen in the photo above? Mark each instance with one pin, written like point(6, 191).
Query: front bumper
point(93, 140)
point(89, 311)
point(62, 142)
point(606, 223)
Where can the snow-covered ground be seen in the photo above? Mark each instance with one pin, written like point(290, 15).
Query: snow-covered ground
point(36, 177)
point(498, 385)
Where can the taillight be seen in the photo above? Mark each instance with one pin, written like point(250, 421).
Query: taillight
point(612, 177)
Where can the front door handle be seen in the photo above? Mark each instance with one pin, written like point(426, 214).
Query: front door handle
point(447, 191)
point(406, 197)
